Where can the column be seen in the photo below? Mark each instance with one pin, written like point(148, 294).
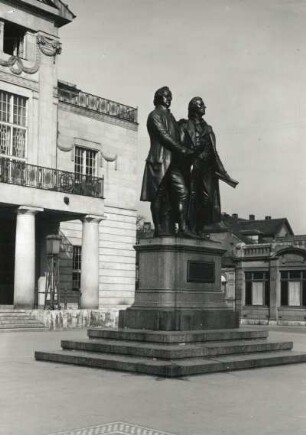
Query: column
point(274, 290)
point(1, 35)
point(239, 288)
point(24, 281)
point(90, 262)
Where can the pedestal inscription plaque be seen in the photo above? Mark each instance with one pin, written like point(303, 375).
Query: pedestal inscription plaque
point(200, 271)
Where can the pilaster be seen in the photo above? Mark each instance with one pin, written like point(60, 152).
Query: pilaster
point(274, 289)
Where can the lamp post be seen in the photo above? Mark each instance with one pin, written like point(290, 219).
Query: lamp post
point(52, 278)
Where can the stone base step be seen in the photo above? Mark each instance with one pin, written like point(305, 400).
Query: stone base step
point(22, 325)
point(12, 312)
point(177, 368)
point(24, 329)
point(17, 320)
point(177, 336)
point(174, 351)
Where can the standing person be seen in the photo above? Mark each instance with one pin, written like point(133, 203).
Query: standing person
point(164, 184)
point(206, 169)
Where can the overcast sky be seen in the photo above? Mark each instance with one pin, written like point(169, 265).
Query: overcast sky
point(246, 58)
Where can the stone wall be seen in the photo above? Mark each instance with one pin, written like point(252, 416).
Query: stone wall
point(69, 319)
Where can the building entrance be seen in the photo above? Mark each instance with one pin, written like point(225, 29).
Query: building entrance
point(7, 259)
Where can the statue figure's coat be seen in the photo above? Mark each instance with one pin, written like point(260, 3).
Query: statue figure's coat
point(165, 139)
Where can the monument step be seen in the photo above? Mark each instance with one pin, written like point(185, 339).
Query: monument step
point(177, 351)
point(177, 368)
point(178, 336)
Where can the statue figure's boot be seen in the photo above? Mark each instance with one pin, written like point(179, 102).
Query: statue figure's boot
point(183, 229)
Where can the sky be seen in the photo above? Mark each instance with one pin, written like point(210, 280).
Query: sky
point(245, 58)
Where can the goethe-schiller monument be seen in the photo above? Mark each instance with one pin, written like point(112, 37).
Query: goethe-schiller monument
point(179, 268)
point(179, 323)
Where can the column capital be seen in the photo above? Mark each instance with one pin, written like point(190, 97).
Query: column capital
point(91, 218)
point(25, 209)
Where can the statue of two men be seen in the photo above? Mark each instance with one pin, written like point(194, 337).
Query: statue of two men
point(183, 168)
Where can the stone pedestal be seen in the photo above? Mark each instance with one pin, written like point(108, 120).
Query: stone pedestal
point(179, 287)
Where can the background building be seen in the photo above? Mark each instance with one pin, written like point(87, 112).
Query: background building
point(264, 269)
point(67, 167)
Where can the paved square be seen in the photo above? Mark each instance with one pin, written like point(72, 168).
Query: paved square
point(116, 428)
point(39, 398)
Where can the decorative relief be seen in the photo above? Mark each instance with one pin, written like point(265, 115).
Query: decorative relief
point(17, 66)
point(110, 159)
point(47, 46)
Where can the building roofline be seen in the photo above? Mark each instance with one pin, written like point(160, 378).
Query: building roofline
point(60, 12)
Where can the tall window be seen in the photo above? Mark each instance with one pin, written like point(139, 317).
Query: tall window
point(85, 163)
point(76, 268)
point(14, 39)
point(293, 288)
point(13, 125)
point(257, 288)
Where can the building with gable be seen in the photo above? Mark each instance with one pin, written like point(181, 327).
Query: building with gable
point(63, 160)
point(264, 269)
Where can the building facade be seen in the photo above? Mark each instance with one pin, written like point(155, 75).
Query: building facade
point(67, 167)
point(264, 270)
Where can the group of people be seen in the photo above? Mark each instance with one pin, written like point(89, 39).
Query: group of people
point(182, 171)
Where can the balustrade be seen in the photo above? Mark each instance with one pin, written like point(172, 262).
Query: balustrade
point(98, 104)
point(23, 174)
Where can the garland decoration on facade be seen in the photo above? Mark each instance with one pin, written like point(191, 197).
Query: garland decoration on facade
point(48, 46)
point(110, 159)
point(16, 65)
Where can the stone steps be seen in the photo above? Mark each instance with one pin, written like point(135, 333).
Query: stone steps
point(23, 328)
point(174, 353)
point(177, 336)
point(177, 351)
point(19, 320)
point(177, 368)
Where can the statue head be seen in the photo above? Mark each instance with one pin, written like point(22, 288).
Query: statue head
point(163, 97)
point(196, 107)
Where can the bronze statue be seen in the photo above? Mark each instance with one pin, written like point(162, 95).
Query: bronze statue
point(164, 182)
point(205, 171)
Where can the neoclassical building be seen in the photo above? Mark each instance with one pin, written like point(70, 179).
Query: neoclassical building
point(67, 167)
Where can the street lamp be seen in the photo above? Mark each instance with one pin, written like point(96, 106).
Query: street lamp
point(52, 279)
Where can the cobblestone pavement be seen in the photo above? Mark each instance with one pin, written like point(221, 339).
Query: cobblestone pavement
point(39, 398)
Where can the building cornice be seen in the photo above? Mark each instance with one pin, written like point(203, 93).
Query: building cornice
point(60, 13)
point(97, 115)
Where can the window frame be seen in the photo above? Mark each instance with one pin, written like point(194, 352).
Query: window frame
point(284, 286)
point(76, 271)
point(19, 45)
point(251, 277)
point(12, 103)
point(85, 152)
